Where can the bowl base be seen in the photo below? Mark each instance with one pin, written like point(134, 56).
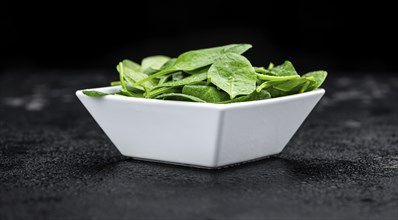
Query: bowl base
point(199, 166)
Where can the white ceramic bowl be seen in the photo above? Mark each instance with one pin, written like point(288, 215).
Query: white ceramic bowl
point(199, 134)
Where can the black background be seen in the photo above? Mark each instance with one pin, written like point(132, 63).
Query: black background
point(318, 35)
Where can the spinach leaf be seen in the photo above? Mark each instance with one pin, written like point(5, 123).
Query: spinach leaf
point(169, 63)
point(120, 69)
point(177, 76)
point(126, 92)
point(283, 88)
point(94, 93)
point(153, 64)
point(318, 78)
point(116, 83)
point(262, 70)
point(267, 84)
point(277, 78)
point(276, 93)
point(162, 90)
point(185, 81)
point(130, 73)
point(207, 93)
point(234, 74)
point(197, 71)
point(285, 69)
point(195, 59)
point(163, 79)
point(179, 96)
point(290, 84)
point(305, 86)
point(263, 94)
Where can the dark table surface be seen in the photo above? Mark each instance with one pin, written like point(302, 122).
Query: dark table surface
point(57, 163)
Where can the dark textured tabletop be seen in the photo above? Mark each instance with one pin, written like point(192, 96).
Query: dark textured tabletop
point(56, 163)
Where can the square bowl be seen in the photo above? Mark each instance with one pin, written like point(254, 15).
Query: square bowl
point(199, 134)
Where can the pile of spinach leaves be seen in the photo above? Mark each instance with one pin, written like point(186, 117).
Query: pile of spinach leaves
point(213, 75)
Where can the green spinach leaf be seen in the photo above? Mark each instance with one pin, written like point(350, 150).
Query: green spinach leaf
point(263, 94)
point(267, 84)
point(207, 93)
point(318, 78)
point(277, 78)
point(162, 90)
point(290, 84)
point(195, 59)
point(177, 76)
point(185, 81)
point(179, 96)
point(234, 74)
point(153, 64)
point(130, 73)
point(94, 93)
point(285, 69)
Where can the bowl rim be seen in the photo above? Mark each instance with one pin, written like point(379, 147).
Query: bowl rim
point(112, 89)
